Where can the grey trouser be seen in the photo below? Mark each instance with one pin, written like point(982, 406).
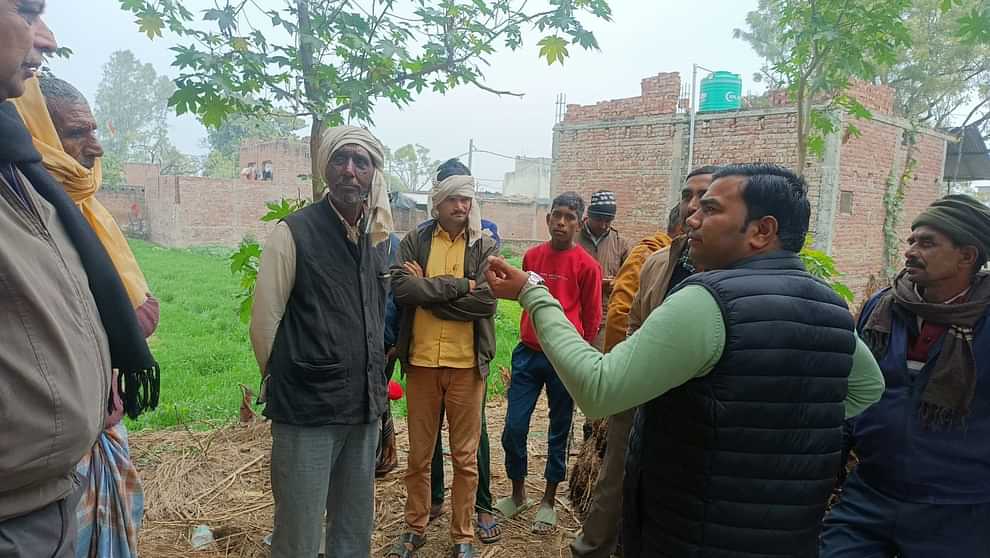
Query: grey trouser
point(46, 533)
point(599, 534)
point(317, 468)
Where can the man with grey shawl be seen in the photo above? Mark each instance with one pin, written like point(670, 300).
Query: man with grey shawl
point(922, 486)
point(317, 328)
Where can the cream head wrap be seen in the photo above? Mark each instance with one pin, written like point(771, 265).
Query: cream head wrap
point(378, 220)
point(458, 185)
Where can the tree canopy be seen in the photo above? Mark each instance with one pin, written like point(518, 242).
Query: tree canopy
point(131, 110)
point(411, 166)
point(333, 60)
point(940, 69)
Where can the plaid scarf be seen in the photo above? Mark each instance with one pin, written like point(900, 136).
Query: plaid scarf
point(946, 400)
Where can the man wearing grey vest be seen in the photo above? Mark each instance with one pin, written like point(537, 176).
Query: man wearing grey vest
point(745, 373)
point(317, 327)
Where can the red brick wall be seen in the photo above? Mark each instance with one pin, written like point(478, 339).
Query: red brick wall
point(634, 161)
point(602, 146)
point(290, 158)
point(659, 95)
point(517, 220)
point(865, 164)
point(126, 205)
point(194, 211)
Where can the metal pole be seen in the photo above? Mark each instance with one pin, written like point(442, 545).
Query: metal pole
point(694, 80)
point(471, 154)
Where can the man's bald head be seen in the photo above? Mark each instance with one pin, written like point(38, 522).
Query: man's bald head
point(73, 120)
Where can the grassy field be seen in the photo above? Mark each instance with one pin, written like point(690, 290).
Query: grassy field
point(203, 348)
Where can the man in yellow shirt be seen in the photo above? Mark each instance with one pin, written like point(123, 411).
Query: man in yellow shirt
point(446, 341)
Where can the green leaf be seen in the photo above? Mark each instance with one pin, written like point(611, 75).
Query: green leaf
point(240, 44)
point(553, 48)
point(244, 310)
point(151, 25)
point(842, 290)
point(816, 146)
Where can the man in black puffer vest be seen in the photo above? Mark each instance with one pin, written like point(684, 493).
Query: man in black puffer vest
point(745, 374)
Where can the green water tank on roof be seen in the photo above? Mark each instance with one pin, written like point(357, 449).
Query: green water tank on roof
point(720, 91)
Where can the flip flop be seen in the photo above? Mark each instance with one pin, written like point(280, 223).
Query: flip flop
point(508, 508)
point(489, 533)
point(545, 516)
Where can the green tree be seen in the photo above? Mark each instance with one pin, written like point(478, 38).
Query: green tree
point(412, 166)
point(814, 48)
point(340, 57)
point(132, 113)
point(941, 71)
point(822, 266)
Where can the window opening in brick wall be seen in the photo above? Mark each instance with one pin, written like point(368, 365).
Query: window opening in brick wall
point(267, 170)
point(846, 202)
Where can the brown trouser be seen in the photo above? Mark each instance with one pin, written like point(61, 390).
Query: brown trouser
point(599, 534)
point(460, 391)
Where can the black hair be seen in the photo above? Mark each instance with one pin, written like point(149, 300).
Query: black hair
point(674, 218)
point(707, 169)
point(571, 200)
point(775, 191)
point(452, 167)
point(56, 90)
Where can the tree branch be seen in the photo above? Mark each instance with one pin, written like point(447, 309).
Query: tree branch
point(483, 87)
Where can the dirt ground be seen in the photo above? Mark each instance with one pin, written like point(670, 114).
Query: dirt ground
point(220, 478)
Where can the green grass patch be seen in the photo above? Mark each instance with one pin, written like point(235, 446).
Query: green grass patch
point(204, 350)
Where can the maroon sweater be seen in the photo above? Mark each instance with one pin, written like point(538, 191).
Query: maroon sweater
point(575, 280)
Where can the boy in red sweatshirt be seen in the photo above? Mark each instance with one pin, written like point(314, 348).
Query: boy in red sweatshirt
point(575, 279)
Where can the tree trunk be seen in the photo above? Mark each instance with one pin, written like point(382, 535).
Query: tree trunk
point(305, 33)
point(316, 173)
point(802, 127)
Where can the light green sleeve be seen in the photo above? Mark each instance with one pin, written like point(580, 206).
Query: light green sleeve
point(682, 339)
point(866, 383)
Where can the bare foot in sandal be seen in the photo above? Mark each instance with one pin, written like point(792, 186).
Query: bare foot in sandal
point(546, 519)
point(489, 530)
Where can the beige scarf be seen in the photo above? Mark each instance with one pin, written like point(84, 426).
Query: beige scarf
point(459, 185)
point(378, 219)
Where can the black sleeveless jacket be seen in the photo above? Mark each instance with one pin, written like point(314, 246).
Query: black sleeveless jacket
point(329, 351)
point(740, 463)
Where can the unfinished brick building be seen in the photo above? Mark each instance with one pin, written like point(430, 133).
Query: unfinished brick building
point(639, 147)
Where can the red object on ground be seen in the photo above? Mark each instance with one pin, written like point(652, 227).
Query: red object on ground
point(394, 390)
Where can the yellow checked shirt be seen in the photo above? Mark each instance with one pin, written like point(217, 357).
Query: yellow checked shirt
point(435, 342)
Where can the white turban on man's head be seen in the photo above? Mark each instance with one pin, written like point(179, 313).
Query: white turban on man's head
point(458, 185)
point(379, 216)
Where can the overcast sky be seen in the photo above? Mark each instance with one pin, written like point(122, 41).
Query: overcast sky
point(646, 37)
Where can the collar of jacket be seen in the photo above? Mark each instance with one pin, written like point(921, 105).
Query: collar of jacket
point(16, 145)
